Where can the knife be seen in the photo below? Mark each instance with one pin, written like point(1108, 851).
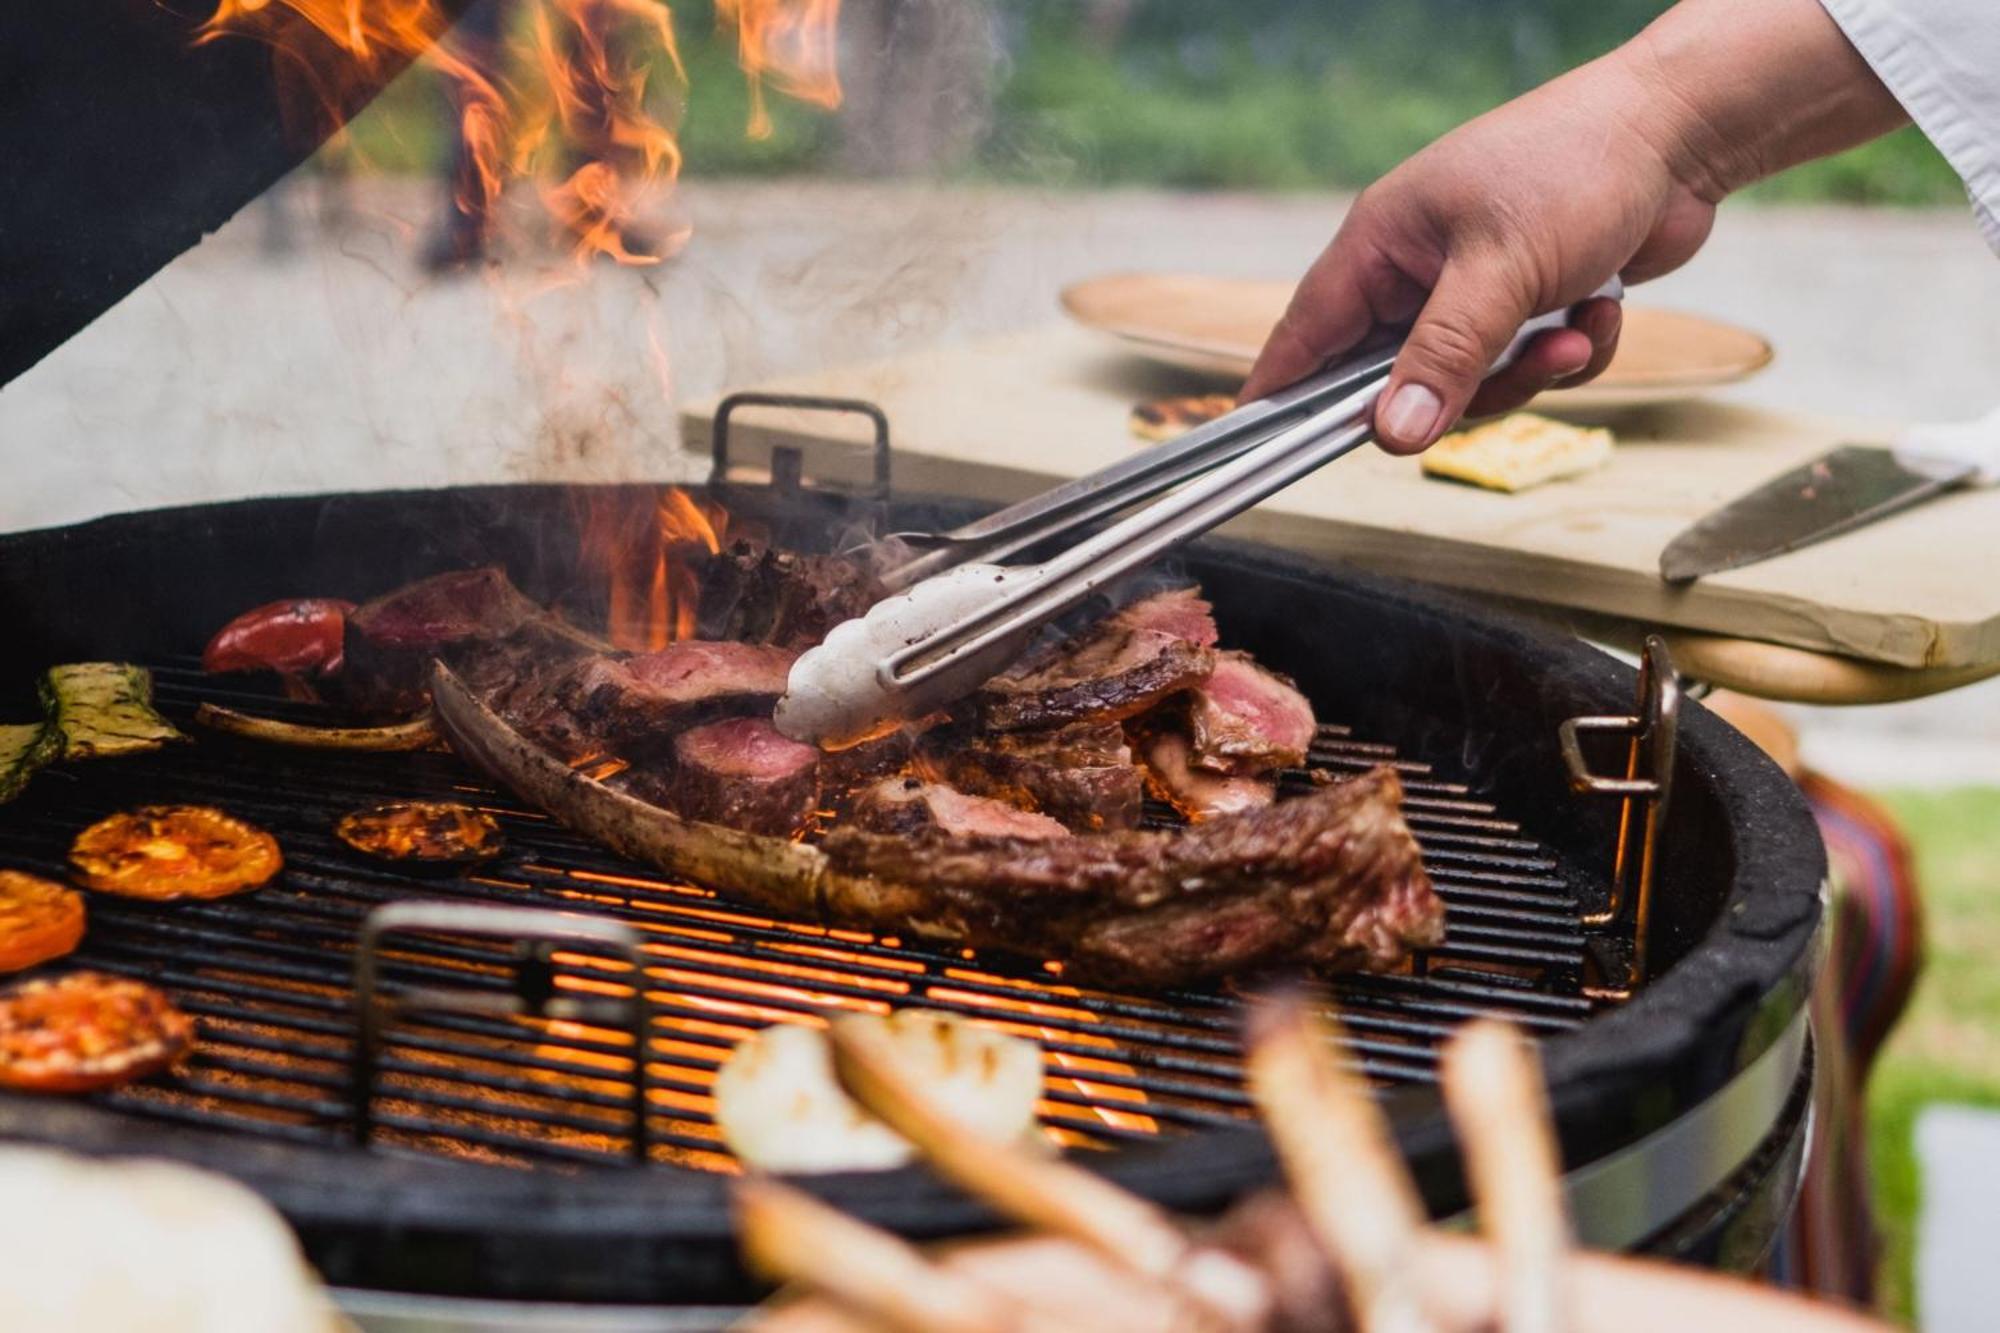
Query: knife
point(1837, 492)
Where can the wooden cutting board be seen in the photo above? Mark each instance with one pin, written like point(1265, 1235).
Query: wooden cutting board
point(1005, 417)
point(1217, 325)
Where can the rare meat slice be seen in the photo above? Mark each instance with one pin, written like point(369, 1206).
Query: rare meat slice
point(1182, 612)
point(1245, 719)
point(1083, 774)
point(752, 593)
point(1116, 669)
point(392, 641)
point(1334, 877)
point(742, 774)
point(912, 805)
point(1198, 793)
point(635, 702)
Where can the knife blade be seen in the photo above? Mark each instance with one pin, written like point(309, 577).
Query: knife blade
point(1837, 492)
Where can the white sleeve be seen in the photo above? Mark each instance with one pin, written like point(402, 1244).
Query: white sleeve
point(1941, 60)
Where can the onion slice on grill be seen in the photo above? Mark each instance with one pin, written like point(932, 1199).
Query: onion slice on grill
point(415, 734)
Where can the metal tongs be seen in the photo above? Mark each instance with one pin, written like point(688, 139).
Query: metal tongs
point(957, 616)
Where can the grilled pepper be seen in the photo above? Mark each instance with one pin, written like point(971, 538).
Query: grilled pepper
point(305, 636)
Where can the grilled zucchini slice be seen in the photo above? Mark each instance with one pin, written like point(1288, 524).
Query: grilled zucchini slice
point(104, 708)
point(24, 747)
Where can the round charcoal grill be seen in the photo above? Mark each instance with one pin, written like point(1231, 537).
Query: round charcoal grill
point(498, 1159)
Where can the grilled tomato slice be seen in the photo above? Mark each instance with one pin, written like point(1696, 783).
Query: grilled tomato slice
point(173, 851)
point(421, 832)
point(39, 920)
point(87, 1031)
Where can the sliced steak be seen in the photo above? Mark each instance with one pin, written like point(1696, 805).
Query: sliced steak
point(912, 805)
point(1245, 719)
point(1198, 793)
point(1334, 876)
point(1083, 775)
point(475, 620)
point(842, 771)
point(1182, 612)
point(752, 593)
point(742, 774)
point(637, 703)
point(1112, 671)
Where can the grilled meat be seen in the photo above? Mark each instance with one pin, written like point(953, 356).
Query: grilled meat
point(742, 774)
point(1081, 774)
point(1245, 719)
point(1198, 793)
point(752, 593)
point(1335, 877)
point(635, 700)
point(911, 806)
point(1111, 672)
point(1181, 612)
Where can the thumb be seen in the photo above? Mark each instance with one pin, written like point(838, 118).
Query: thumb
point(1468, 320)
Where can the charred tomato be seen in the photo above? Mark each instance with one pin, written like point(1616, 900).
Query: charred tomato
point(39, 920)
point(173, 851)
point(87, 1031)
point(435, 833)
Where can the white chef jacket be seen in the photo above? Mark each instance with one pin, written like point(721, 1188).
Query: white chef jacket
point(1941, 60)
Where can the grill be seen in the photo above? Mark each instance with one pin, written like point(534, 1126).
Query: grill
point(496, 1152)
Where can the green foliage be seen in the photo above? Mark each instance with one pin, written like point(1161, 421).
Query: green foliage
point(1947, 1047)
point(1270, 95)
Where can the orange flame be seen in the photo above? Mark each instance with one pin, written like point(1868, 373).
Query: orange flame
point(791, 42)
point(650, 555)
point(577, 111)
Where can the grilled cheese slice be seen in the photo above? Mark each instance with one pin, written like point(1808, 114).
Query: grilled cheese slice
point(1517, 452)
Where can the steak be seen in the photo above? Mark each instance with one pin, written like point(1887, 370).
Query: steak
point(1246, 719)
point(1333, 877)
point(634, 702)
point(1083, 775)
point(1114, 671)
point(475, 620)
point(1183, 613)
point(908, 806)
point(1195, 792)
point(742, 774)
point(752, 593)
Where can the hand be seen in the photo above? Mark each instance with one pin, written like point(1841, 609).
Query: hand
point(1614, 168)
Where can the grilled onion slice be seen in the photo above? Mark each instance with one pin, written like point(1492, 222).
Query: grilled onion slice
point(415, 734)
point(87, 1031)
point(780, 1107)
point(426, 832)
point(39, 920)
point(173, 851)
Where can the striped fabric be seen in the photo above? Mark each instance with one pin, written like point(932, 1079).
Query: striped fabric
point(1874, 953)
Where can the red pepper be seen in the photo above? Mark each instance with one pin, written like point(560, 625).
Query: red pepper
point(306, 636)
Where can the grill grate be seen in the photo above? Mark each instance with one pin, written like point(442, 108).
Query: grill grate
point(269, 973)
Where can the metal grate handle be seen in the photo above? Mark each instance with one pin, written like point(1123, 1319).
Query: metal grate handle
point(1645, 790)
point(787, 463)
point(535, 932)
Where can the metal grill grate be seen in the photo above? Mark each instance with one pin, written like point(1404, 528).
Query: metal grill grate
point(268, 974)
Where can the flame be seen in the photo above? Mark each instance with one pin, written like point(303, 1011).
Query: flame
point(791, 42)
point(650, 554)
point(574, 106)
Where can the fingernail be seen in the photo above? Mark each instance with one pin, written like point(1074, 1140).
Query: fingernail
point(1412, 414)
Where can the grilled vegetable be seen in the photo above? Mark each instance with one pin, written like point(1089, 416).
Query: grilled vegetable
point(305, 636)
point(39, 920)
point(173, 851)
point(104, 708)
point(24, 748)
point(433, 832)
point(780, 1107)
point(412, 735)
point(87, 1031)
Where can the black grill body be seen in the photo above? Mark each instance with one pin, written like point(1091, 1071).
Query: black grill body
point(489, 1183)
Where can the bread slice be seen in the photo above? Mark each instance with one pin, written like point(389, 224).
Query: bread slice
point(1517, 452)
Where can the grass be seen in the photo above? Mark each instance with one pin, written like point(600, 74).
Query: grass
point(1947, 1048)
point(1281, 95)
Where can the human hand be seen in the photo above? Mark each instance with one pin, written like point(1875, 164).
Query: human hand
point(1612, 169)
